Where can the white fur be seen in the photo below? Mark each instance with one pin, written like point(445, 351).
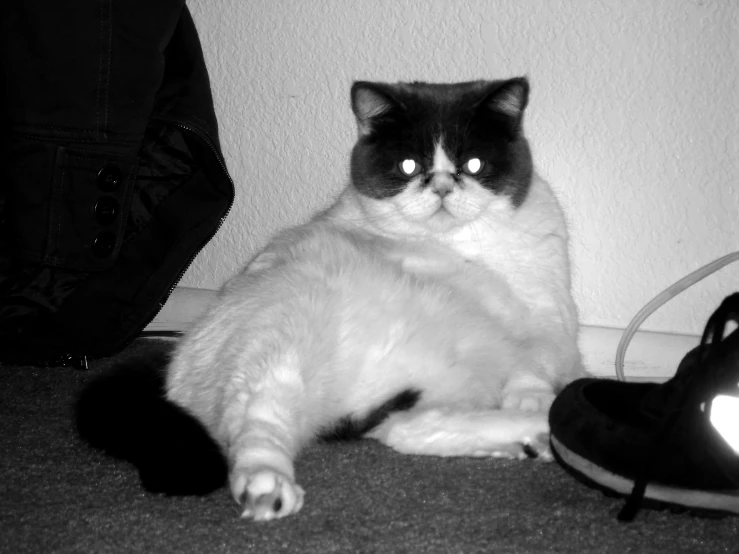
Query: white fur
point(464, 298)
point(442, 163)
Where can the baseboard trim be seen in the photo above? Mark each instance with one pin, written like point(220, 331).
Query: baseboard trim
point(183, 307)
point(650, 356)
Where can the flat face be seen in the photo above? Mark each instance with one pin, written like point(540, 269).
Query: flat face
point(442, 150)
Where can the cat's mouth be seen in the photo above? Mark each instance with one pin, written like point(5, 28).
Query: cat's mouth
point(442, 211)
point(443, 217)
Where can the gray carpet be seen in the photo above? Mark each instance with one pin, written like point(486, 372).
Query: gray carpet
point(56, 495)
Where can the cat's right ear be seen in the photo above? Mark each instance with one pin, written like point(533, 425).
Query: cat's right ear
point(370, 102)
point(509, 99)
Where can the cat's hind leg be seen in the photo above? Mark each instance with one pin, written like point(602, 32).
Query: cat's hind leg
point(486, 433)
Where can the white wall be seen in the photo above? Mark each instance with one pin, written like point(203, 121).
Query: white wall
point(634, 119)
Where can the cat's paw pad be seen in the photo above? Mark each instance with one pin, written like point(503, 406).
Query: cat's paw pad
point(536, 448)
point(513, 451)
point(266, 494)
point(528, 400)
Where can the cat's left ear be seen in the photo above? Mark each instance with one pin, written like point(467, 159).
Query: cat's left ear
point(371, 102)
point(509, 99)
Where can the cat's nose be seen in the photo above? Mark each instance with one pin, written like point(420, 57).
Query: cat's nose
point(442, 191)
point(442, 185)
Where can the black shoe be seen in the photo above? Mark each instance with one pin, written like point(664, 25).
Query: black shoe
point(656, 443)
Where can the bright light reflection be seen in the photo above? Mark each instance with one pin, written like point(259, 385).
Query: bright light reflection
point(725, 418)
point(409, 166)
point(474, 165)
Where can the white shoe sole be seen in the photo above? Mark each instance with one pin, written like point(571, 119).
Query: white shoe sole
point(719, 501)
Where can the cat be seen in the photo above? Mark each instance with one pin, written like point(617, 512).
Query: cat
point(429, 308)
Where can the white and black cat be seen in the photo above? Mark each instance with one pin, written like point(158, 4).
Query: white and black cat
point(428, 308)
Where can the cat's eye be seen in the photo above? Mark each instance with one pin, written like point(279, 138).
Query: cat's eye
point(473, 166)
point(409, 167)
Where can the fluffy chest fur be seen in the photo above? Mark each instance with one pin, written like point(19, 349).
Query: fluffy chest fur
point(514, 259)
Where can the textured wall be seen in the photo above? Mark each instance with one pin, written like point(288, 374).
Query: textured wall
point(633, 118)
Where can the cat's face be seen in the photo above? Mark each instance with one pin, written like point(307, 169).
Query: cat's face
point(439, 156)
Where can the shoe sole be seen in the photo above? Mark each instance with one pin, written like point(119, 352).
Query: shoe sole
point(697, 502)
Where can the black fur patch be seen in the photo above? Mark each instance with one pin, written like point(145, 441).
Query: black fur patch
point(124, 413)
point(351, 428)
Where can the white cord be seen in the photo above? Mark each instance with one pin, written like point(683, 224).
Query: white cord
point(666, 295)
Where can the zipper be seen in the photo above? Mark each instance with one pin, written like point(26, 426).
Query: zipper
point(202, 135)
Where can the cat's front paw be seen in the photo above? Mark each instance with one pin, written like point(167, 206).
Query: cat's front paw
point(265, 493)
point(528, 400)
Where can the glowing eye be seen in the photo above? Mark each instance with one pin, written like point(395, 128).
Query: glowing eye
point(409, 168)
point(473, 166)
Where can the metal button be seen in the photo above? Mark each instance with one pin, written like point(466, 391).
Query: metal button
point(109, 178)
point(103, 245)
point(106, 210)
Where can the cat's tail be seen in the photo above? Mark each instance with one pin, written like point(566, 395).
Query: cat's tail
point(124, 413)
